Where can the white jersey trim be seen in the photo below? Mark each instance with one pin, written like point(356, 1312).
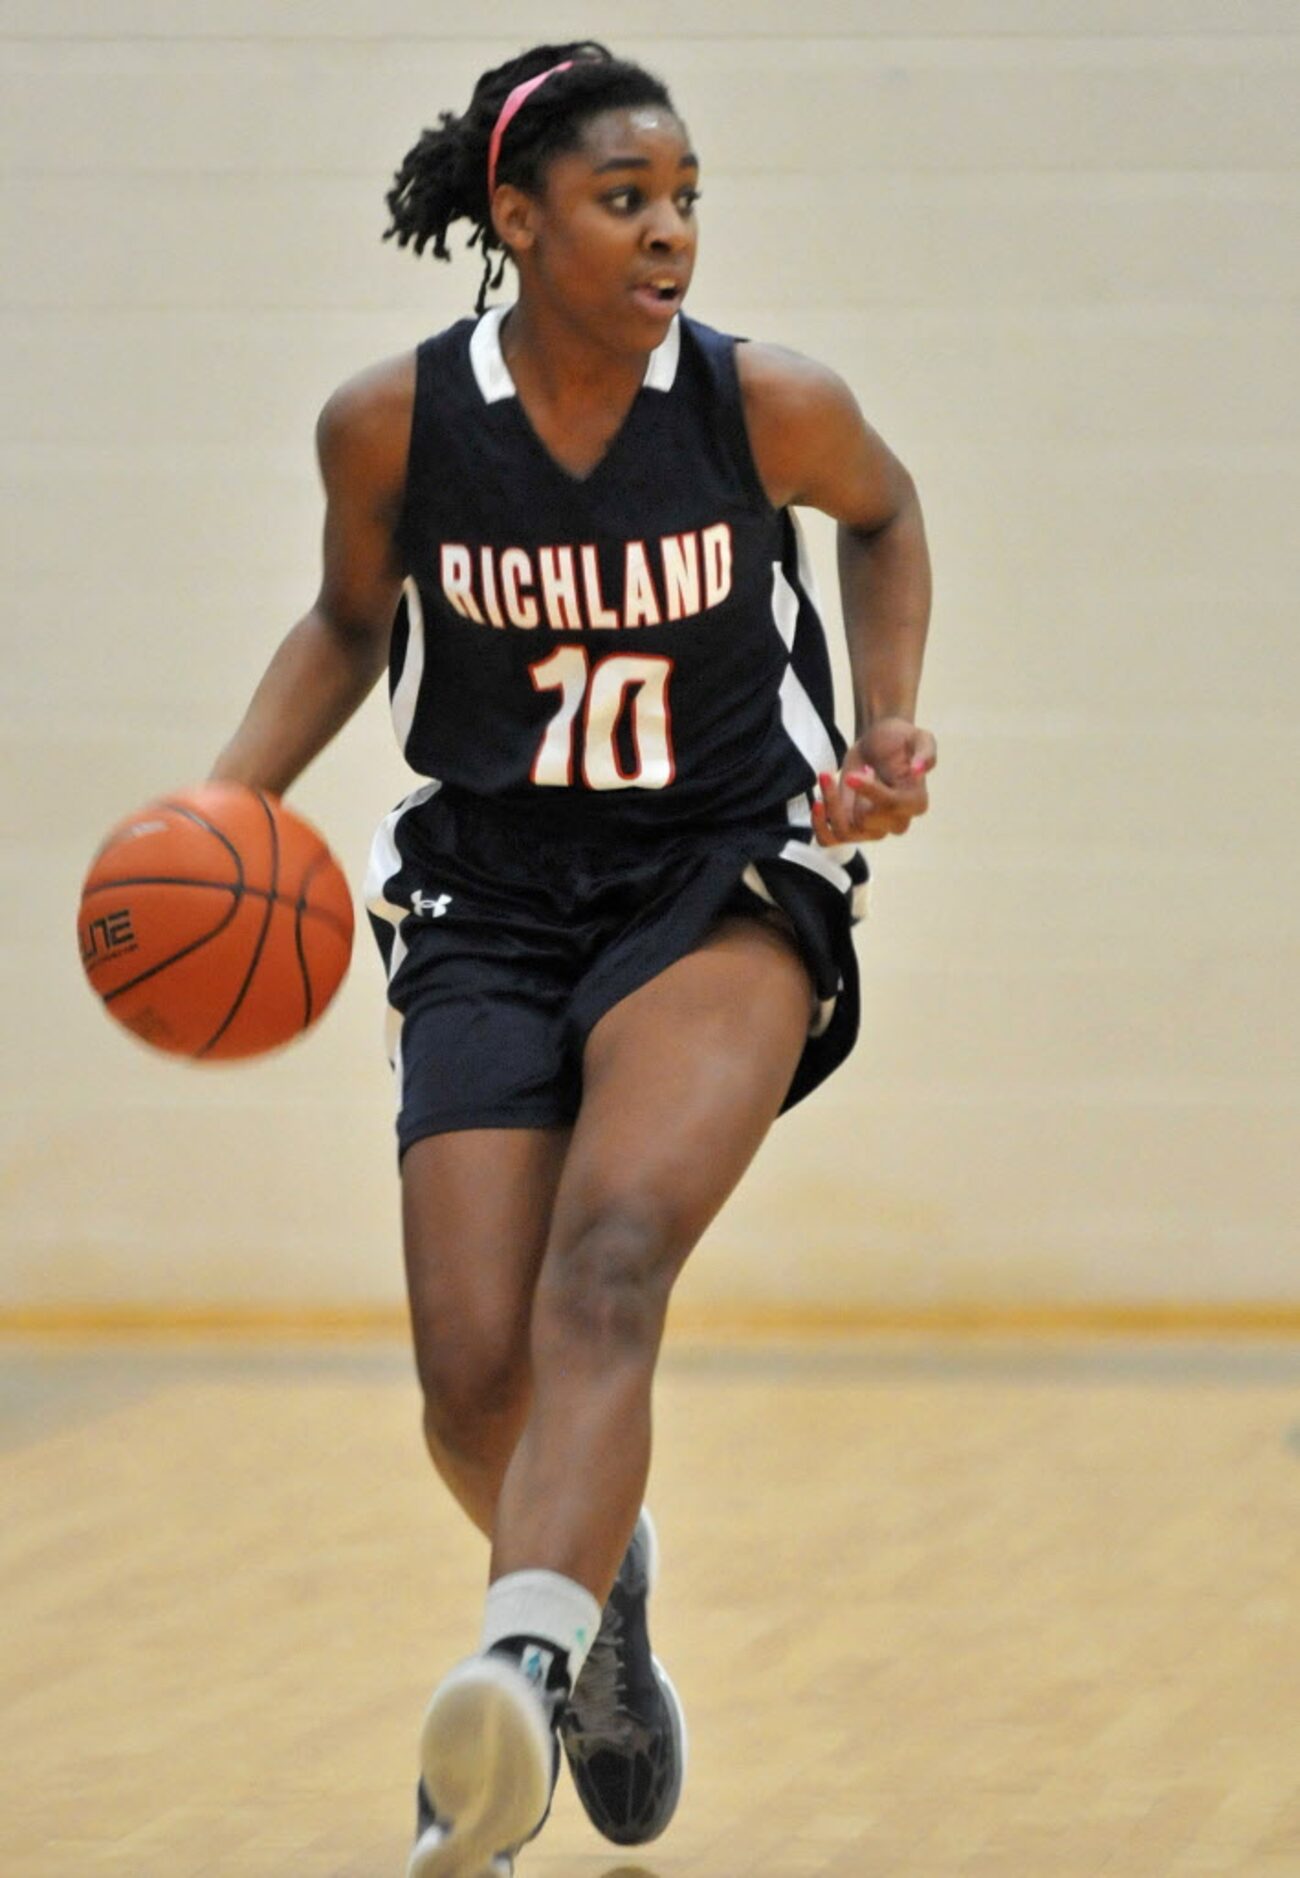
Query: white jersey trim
point(490, 368)
point(406, 692)
point(828, 862)
point(492, 374)
point(819, 1023)
point(807, 731)
point(385, 861)
point(661, 366)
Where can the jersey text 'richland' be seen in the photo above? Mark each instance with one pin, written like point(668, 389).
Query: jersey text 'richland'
point(664, 581)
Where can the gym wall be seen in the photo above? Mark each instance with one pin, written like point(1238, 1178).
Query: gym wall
point(1053, 246)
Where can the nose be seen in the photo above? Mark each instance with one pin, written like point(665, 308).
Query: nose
point(667, 231)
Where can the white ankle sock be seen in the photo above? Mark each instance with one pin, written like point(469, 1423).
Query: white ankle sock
point(544, 1605)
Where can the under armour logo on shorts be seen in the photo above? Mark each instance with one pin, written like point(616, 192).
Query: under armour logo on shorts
point(431, 906)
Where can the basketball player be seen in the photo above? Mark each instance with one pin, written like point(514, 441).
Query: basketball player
point(617, 917)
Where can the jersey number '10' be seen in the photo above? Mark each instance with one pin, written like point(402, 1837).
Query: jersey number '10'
point(625, 686)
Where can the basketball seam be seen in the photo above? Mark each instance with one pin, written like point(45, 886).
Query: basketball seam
point(102, 885)
point(242, 993)
point(173, 958)
point(190, 815)
point(309, 874)
point(340, 926)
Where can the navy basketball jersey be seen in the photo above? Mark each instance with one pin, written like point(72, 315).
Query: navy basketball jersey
point(636, 647)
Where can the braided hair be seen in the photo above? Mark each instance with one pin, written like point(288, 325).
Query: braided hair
point(443, 179)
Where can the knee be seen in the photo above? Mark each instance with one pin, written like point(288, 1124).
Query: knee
point(474, 1381)
point(604, 1293)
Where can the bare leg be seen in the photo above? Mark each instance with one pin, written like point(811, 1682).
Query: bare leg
point(682, 1081)
point(476, 1208)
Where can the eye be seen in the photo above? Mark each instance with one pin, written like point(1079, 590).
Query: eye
point(624, 201)
point(687, 200)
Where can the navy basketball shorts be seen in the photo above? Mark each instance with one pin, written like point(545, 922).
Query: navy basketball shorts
point(506, 940)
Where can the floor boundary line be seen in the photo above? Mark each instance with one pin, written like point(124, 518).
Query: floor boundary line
point(1160, 1318)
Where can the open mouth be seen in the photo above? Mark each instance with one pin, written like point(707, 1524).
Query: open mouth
point(663, 294)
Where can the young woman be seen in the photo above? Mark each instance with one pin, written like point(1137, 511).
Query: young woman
point(617, 917)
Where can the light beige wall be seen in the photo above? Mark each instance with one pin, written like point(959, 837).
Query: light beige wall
point(1053, 244)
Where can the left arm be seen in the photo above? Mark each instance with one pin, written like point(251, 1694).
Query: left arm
point(813, 447)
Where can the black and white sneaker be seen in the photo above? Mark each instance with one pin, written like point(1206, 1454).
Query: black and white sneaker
point(623, 1729)
point(487, 1770)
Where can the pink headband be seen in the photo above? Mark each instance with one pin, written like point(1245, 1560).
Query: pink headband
point(509, 111)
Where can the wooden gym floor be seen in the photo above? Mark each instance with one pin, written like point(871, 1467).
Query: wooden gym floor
point(937, 1610)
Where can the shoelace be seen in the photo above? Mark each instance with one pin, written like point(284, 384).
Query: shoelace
point(603, 1701)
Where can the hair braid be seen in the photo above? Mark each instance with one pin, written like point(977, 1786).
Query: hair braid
point(443, 178)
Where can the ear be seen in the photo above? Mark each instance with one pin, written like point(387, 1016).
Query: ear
point(514, 217)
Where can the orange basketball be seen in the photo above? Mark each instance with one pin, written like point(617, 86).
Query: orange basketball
point(215, 923)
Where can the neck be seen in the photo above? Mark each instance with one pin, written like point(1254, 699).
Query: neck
point(562, 362)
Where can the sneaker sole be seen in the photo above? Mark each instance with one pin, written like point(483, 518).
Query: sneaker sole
point(664, 1679)
point(646, 1522)
point(486, 1756)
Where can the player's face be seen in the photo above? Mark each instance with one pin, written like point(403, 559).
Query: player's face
point(615, 230)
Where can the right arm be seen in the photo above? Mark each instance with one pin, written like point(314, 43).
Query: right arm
point(330, 660)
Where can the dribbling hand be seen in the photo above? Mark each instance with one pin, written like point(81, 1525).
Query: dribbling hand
point(881, 786)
